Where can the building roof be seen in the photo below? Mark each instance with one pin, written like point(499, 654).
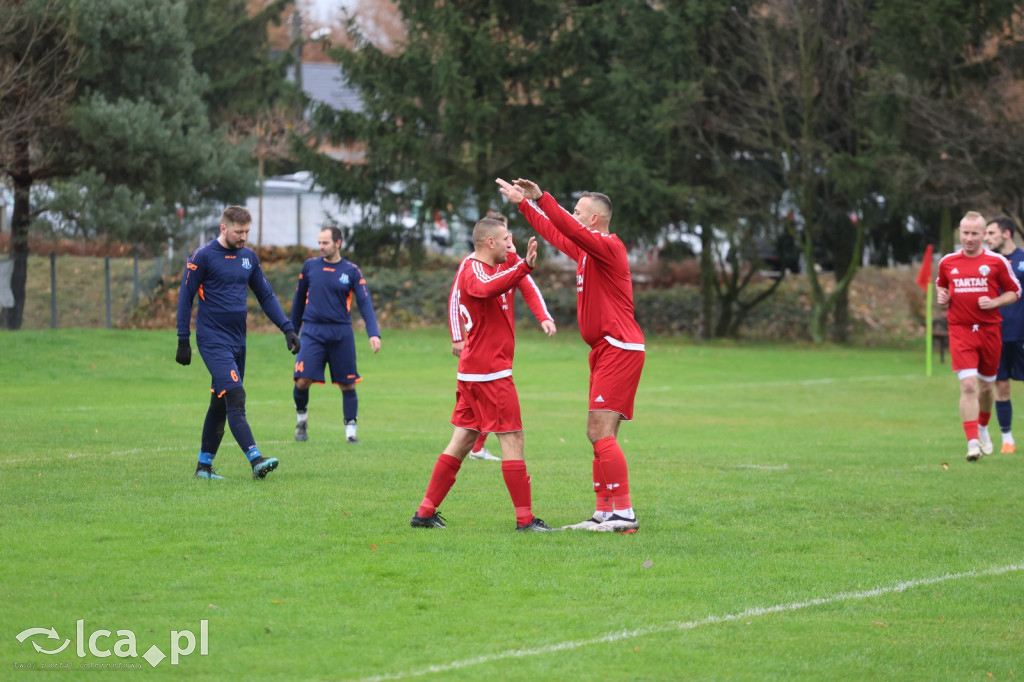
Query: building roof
point(326, 83)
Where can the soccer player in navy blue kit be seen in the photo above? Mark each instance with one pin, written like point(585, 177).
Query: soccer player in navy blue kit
point(321, 310)
point(221, 272)
point(999, 238)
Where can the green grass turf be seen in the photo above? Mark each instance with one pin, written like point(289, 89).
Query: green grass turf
point(765, 478)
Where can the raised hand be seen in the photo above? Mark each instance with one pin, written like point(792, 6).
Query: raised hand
point(531, 252)
point(510, 191)
point(529, 189)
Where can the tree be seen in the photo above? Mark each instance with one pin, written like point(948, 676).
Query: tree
point(568, 93)
point(660, 132)
point(38, 62)
point(455, 106)
point(947, 75)
point(133, 130)
point(802, 104)
point(231, 48)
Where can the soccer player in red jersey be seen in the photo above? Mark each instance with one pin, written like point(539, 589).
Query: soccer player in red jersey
point(534, 299)
point(604, 302)
point(485, 397)
point(973, 283)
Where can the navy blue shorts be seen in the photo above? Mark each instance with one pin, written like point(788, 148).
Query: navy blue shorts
point(1011, 361)
point(226, 365)
point(327, 344)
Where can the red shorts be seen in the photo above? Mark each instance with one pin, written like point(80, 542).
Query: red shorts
point(487, 406)
point(976, 347)
point(614, 377)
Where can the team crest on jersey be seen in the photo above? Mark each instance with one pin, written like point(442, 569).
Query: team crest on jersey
point(984, 270)
point(246, 264)
point(1020, 266)
point(343, 279)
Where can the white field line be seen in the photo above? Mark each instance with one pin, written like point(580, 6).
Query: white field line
point(753, 612)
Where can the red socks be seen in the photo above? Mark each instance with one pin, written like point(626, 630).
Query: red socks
point(480, 440)
point(604, 498)
point(443, 478)
point(971, 429)
point(441, 481)
point(614, 473)
point(518, 483)
point(983, 418)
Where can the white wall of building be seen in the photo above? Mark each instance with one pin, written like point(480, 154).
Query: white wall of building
point(294, 212)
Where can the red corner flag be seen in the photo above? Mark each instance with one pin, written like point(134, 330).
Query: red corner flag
point(925, 276)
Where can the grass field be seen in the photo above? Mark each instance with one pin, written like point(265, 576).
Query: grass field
point(805, 514)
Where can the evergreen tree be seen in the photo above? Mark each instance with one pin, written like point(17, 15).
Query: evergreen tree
point(457, 105)
point(133, 134)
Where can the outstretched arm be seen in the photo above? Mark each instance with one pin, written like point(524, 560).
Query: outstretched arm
point(520, 196)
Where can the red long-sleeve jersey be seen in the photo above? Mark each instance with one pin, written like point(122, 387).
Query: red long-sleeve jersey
point(604, 285)
point(482, 300)
point(527, 287)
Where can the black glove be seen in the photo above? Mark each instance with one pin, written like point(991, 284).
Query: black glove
point(184, 354)
point(292, 339)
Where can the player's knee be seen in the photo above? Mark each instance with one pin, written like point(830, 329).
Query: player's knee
point(235, 398)
point(347, 387)
point(302, 383)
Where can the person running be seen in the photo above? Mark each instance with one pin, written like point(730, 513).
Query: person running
point(604, 309)
point(973, 283)
point(999, 238)
point(220, 272)
point(534, 299)
point(320, 310)
point(485, 395)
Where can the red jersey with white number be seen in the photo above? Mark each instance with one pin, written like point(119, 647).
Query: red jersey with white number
point(604, 285)
point(970, 278)
point(482, 299)
point(527, 287)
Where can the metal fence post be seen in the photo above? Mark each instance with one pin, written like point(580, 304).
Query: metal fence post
point(106, 277)
point(53, 290)
point(135, 282)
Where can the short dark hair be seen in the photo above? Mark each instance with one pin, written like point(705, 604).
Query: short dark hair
point(335, 232)
point(1005, 224)
point(239, 215)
